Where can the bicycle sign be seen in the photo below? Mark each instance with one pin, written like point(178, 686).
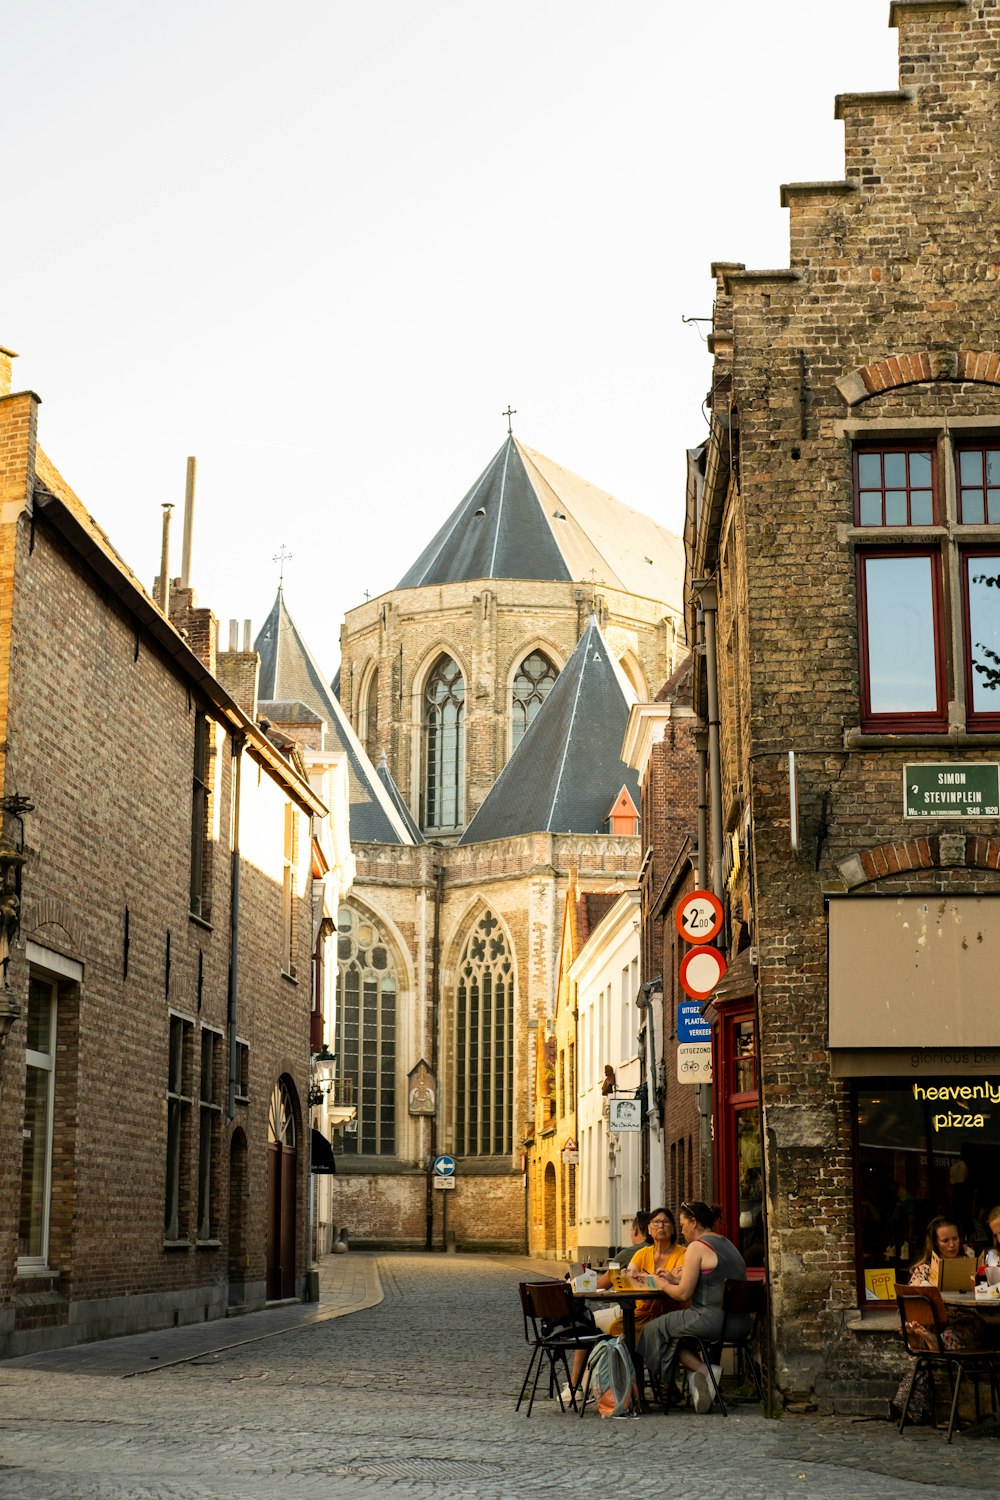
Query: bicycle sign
point(694, 1062)
point(699, 917)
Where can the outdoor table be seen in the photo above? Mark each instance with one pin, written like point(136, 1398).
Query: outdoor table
point(626, 1301)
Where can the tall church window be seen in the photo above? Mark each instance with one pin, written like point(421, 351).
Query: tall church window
point(366, 1032)
point(444, 746)
point(532, 685)
point(484, 1044)
point(372, 745)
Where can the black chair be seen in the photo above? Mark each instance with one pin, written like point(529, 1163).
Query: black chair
point(923, 1318)
point(555, 1328)
point(743, 1305)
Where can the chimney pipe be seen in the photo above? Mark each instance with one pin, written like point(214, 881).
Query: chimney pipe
point(234, 635)
point(247, 639)
point(163, 582)
point(6, 355)
point(192, 466)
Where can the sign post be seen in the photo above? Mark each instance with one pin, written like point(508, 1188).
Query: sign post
point(444, 1177)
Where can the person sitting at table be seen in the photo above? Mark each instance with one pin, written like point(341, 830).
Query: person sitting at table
point(964, 1329)
point(710, 1260)
point(661, 1252)
point(991, 1255)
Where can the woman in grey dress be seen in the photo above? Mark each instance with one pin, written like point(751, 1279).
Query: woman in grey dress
point(710, 1260)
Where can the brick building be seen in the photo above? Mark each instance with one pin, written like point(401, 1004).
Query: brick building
point(843, 537)
point(468, 815)
point(159, 851)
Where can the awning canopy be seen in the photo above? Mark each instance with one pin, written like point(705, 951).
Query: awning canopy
point(322, 1154)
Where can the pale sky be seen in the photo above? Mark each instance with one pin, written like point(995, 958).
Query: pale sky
point(322, 246)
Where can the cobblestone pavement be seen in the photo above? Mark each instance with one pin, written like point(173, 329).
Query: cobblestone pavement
point(415, 1391)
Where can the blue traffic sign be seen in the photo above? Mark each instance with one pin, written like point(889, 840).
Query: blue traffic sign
point(691, 1025)
point(444, 1166)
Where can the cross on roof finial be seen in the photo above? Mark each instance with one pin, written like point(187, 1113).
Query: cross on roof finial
point(510, 412)
point(281, 557)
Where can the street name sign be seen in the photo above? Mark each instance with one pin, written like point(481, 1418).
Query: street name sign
point(956, 789)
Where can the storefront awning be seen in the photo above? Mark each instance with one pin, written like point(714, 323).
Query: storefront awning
point(322, 1154)
point(914, 972)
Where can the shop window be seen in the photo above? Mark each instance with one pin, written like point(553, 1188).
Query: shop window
point(366, 1032)
point(925, 580)
point(924, 1147)
point(444, 747)
point(484, 1044)
point(36, 1147)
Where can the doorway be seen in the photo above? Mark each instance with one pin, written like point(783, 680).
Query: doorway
point(282, 1175)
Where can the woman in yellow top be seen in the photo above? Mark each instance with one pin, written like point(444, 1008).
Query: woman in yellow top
point(664, 1254)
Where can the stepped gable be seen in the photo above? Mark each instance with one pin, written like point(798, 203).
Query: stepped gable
point(526, 517)
point(289, 675)
point(567, 770)
point(396, 797)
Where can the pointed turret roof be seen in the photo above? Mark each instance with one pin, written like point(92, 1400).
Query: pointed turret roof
point(290, 675)
point(526, 517)
point(567, 770)
point(396, 797)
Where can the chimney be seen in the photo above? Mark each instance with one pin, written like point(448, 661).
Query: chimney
point(192, 466)
point(162, 585)
point(6, 355)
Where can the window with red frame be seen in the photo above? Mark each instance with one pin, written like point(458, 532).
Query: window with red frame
point(922, 554)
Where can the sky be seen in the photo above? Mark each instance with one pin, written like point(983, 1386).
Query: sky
point(322, 246)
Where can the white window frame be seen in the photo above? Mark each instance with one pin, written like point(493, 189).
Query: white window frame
point(44, 1062)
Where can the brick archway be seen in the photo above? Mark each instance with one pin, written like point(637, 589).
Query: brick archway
point(938, 851)
point(896, 370)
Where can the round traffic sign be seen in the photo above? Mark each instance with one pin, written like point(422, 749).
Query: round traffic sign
point(700, 971)
point(444, 1166)
point(699, 917)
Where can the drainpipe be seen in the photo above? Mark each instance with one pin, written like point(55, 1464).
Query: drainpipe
point(234, 929)
point(706, 595)
point(435, 1008)
point(701, 747)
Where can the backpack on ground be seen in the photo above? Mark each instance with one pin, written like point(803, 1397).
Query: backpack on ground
point(610, 1376)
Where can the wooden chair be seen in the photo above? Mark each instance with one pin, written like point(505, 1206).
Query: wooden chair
point(554, 1329)
point(923, 1318)
point(743, 1305)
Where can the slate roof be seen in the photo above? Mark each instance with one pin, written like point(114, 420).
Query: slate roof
point(396, 796)
point(567, 770)
point(289, 674)
point(526, 517)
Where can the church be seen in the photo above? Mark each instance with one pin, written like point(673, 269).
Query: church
point(482, 705)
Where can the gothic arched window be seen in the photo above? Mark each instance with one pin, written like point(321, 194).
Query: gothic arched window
point(372, 745)
point(444, 746)
point(366, 1032)
point(532, 685)
point(484, 1044)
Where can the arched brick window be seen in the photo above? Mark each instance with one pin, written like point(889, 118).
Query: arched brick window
point(532, 685)
point(366, 1032)
point(484, 1043)
point(444, 747)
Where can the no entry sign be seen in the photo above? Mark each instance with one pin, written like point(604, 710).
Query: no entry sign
point(700, 972)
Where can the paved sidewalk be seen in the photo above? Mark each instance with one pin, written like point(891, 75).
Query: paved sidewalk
point(347, 1283)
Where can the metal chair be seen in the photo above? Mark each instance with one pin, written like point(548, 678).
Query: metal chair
point(923, 1308)
point(554, 1328)
point(743, 1305)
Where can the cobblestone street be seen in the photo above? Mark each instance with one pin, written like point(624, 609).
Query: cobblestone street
point(416, 1391)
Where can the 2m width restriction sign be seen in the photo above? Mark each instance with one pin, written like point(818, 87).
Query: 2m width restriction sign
point(699, 917)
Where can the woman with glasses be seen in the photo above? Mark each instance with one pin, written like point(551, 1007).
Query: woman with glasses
point(657, 1251)
point(710, 1260)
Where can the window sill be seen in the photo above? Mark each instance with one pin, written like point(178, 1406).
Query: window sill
point(292, 978)
point(209, 1245)
point(920, 739)
point(35, 1272)
point(200, 921)
point(177, 1244)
